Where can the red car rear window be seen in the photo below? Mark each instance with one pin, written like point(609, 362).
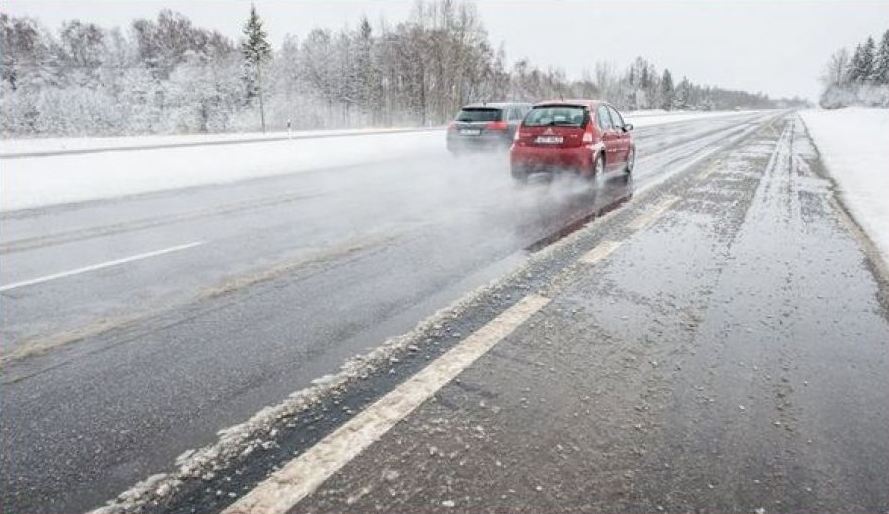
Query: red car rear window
point(561, 115)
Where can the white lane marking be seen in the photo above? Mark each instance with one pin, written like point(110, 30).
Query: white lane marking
point(646, 218)
point(300, 477)
point(94, 267)
point(602, 250)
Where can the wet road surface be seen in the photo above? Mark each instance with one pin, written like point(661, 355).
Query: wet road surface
point(730, 354)
point(287, 278)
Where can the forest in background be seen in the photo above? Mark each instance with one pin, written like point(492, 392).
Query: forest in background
point(858, 78)
point(168, 76)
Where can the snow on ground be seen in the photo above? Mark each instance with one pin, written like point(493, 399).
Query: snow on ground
point(10, 147)
point(853, 144)
point(38, 181)
point(658, 117)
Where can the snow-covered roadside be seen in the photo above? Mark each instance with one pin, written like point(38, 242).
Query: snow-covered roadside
point(38, 181)
point(41, 181)
point(853, 143)
point(11, 147)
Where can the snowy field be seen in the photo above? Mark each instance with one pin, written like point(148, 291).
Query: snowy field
point(9, 147)
point(30, 182)
point(853, 144)
point(40, 181)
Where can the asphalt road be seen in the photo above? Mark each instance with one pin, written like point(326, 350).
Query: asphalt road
point(730, 354)
point(137, 328)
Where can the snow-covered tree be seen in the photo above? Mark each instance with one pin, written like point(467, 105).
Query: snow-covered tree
point(143, 96)
point(855, 66)
point(166, 75)
point(26, 59)
point(317, 65)
point(167, 42)
point(203, 95)
point(369, 93)
point(257, 51)
point(836, 73)
point(861, 67)
point(881, 65)
point(639, 81)
point(667, 92)
point(79, 53)
point(682, 94)
point(862, 79)
point(866, 64)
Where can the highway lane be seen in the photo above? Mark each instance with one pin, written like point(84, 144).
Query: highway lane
point(267, 285)
point(241, 228)
point(725, 349)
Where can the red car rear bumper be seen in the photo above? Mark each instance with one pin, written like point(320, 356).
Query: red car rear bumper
point(542, 158)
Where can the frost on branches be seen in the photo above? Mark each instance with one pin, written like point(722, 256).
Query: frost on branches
point(860, 78)
point(167, 76)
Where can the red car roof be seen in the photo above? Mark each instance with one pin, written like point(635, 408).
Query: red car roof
point(571, 101)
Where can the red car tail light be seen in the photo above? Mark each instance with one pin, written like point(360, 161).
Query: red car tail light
point(518, 134)
point(588, 137)
point(497, 125)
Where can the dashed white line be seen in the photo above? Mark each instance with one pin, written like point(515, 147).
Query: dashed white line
point(285, 488)
point(300, 477)
point(94, 267)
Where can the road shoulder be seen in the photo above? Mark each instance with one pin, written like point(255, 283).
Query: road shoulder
point(723, 377)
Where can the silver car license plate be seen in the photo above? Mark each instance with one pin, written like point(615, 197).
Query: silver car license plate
point(470, 132)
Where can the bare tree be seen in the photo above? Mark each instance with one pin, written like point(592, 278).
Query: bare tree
point(837, 69)
point(168, 76)
point(859, 79)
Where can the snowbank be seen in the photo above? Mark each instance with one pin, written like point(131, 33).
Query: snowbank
point(11, 147)
point(40, 181)
point(51, 145)
point(852, 143)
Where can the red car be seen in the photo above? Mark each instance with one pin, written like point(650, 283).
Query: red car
point(587, 136)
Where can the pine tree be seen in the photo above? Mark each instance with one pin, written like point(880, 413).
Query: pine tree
point(682, 94)
point(881, 68)
point(866, 66)
point(667, 90)
point(854, 73)
point(654, 86)
point(367, 74)
point(172, 76)
point(256, 50)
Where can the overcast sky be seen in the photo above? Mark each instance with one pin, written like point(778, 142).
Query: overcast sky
point(777, 47)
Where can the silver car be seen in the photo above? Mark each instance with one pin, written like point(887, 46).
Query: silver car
point(485, 126)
